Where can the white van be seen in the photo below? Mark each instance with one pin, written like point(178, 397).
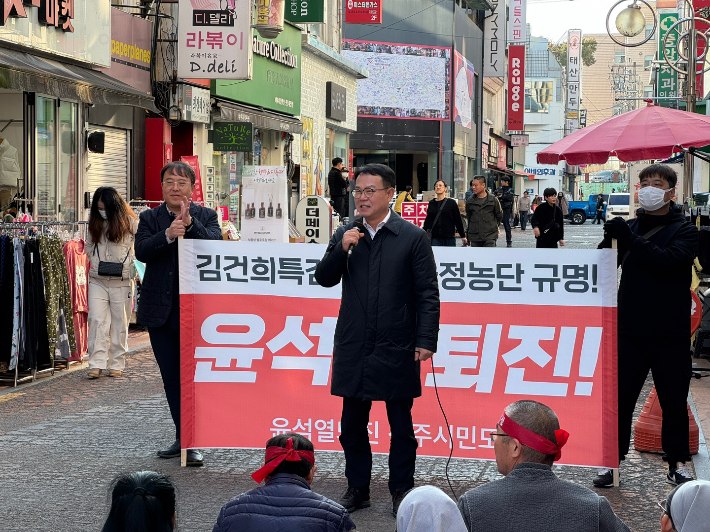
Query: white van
point(618, 205)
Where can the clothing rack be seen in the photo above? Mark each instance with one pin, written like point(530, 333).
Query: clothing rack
point(32, 230)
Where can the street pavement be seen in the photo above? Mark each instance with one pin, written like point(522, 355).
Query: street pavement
point(64, 438)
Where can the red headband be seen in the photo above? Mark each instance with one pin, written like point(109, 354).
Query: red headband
point(276, 455)
point(533, 440)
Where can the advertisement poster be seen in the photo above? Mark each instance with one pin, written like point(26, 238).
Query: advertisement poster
point(463, 90)
point(406, 81)
point(307, 157)
point(259, 335)
point(363, 11)
point(516, 88)
point(263, 204)
point(517, 24)
point(195, 165)
point(212, 42)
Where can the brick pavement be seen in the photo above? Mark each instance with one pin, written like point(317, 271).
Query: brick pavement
point(64, 438)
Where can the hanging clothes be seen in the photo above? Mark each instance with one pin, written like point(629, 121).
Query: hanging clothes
point(77, 263)
point(34, 308)
point(18, 324)
point(7, 300)
point(56, 288)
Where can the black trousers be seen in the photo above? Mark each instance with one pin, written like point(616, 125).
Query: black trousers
point(340, 204)
point(165, 341)
point(507, 215)
point(598, 218)
point(356, 443)
point(670, 363)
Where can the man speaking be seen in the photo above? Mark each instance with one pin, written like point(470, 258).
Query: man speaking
point(388, 324)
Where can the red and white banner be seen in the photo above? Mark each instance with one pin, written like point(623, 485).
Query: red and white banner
point(363, 11)
point(415, 211)
point(516, 87)
point(257, 342)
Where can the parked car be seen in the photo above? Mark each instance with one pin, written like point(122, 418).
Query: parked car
point(579, 211)
point(618, 205)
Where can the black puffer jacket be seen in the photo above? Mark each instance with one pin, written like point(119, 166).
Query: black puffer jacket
point(285, 502)
point(389, 306)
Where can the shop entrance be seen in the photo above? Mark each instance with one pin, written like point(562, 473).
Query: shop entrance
point(411, 168)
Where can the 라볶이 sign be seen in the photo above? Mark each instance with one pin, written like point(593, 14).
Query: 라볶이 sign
point(257, 346)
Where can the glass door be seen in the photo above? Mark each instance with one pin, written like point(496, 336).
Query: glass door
point(68, 163)
point(46, 158)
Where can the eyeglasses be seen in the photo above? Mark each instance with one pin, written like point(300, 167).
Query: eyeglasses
point(367, 192)
point(494, 435)
point(169, 183)
point(662, 506)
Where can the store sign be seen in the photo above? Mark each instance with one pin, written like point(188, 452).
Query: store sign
point(195, 104)
point(582, 118)
point(214, 44)
point(415, 212)
point(574, 67)
point(77, 29)
point(516, 87)
point(363, 11)
point(667, 80)
point(130, 50)
point(484, 155)
point(313, 218)
point(300, 11)
point(335, 101)
point(517, 24)
point(540, 170)
point(276, 80)
point(519, 140)
point(233, 136)
point(502, 154)
point(494, 41)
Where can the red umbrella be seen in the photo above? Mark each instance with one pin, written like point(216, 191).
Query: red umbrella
point(651, 132)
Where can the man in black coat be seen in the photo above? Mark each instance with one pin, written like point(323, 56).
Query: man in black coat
point(548, 222)
point(599, 216)
point(159, 309)
point(506, 197)
point(338, 187)
point(388, 324)
point(656, 253)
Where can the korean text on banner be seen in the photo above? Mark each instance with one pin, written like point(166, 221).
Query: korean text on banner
point(517, 24)
point(363, 11)
point(259, 334)
point(215, 44)
point(494, 41)
point(574, 67)
point(516, 88)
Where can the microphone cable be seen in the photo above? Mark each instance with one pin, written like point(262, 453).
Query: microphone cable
point(433, 374)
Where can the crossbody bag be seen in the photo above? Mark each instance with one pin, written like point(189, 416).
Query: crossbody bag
point(110, 269)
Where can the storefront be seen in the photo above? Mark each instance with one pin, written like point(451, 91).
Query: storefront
point(500, 160)
point(48, 88)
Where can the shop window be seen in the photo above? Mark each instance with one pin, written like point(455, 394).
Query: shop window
point(11, 151)
point(46, 158)
point(68, 177)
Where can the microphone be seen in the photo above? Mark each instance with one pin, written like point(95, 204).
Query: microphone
point(360, 227)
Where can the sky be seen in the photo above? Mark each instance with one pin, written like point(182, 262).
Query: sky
point(552, 18)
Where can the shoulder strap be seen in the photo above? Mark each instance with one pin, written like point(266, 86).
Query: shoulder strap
point(441, 208)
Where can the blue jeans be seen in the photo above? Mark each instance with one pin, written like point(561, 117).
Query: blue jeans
point(451, 241)
point(523, 219)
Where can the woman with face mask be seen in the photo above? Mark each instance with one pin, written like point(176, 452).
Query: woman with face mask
point(109, 246)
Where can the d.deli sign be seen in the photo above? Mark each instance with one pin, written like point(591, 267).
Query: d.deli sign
point(516, 87)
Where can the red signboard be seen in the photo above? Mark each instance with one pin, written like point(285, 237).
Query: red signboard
point(516, 87)
point(257, 347)
point(363, 11)
point(415, 212)
point(195, 164)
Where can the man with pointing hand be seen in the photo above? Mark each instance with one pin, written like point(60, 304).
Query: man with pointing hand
point(388, 324)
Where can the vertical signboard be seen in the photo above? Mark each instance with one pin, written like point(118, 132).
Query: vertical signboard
point(574, 66)
point(300, 11)
point(516, 87)
point(213, 43)
point(667, 77)
point(494, 41)
point(517, 28)
point(363, 11)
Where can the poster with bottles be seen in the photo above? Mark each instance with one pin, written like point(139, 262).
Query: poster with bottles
point(264, 213)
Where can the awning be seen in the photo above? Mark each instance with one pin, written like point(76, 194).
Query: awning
point(24, 72)
point(235, 112)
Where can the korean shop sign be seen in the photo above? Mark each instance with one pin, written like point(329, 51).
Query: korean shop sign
point(667, 77)
point(233, 136)
point(363, 12)
point(300, 11)
point(57, 13)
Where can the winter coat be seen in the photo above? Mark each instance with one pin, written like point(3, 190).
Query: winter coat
point(506, 196)
point(563, 204)
point(448, 224)
point(549, 220)
point(483, 218)
point(159, 290)
point(285, 502)
point(389, 306)
point(656, 274)
point(337, 184)
point(106, 251)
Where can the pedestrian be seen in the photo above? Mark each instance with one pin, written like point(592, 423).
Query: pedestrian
point(401, 198)
point(484, 213)
point(687, 508)
point(428, 509)
point(109, 245)
point(563, 203)
point(506, 196)
point(338, 187)
point(527, 442)
point(656, 254)
point(443, 218)
point(378, 352)
point(547, 222)
point(141, 502)
point(156, 245)
point(470, 191)
point(524, 209)
point(286, 501)
point(599, 210)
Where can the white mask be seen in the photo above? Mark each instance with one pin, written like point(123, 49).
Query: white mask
point(652, 198)
point(102, 214)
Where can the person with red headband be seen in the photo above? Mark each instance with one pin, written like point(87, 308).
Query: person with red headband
point(285, 501)
point(527, 441)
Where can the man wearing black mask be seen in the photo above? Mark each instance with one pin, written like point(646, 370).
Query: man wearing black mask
point(506, 197)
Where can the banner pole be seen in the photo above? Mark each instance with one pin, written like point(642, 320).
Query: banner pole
point(615, 472)
point(183, 463)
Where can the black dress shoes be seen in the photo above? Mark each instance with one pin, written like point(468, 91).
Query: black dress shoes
point(194, 458)
point(397, 498)
point(171, 452)
point(355, 499)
